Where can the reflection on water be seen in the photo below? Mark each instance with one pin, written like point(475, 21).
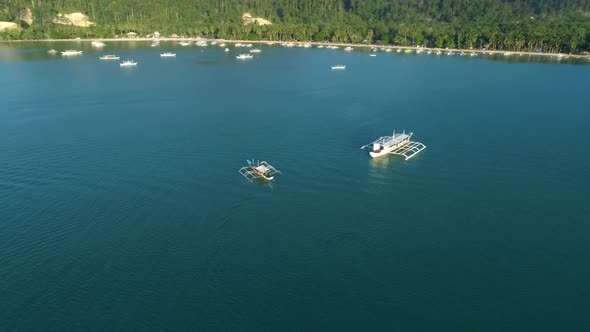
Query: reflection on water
point(264, 183)
point(386, 161)
point(383, 166)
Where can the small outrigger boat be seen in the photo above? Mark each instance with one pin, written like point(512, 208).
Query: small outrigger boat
point(70, 52)
point(128, 63)
point(338, 67)
point(167, 55)
point(258, 170)
point(244, 56)
point(109, 57)
point(255, 50)
point(97, 43)
point(52, 51)
point(398, 144)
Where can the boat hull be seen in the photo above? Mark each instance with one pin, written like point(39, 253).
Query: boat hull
point(378, 154)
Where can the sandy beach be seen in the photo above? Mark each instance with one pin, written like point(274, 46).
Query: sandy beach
point(380, 47)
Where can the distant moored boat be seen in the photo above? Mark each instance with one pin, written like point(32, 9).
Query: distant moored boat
point(128, 63)
point(109, 57)
point(338, 67)
point(70, 52)
point(97, 43)
point(244, 56)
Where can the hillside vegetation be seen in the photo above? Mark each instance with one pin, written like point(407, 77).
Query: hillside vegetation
point(515, 25)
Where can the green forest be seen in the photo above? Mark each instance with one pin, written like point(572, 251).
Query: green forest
point(513, 25)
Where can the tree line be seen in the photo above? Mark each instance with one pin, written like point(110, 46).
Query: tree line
point(514, 25)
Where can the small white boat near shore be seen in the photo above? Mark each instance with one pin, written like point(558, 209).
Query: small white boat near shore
point(109, 57)
point(348, 49)
point(222, 45)
point(52, 51)
point(226, 49)
point(338, 67)
point(372, 54)
point(97, 44)
point(255, 50)
point(128, 63)
point(70, 52)
point(167, 55)
point(244, 56)
point(184, 43)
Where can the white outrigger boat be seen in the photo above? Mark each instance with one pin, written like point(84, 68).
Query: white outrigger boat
point(109, 57)
point(167, 55)
point(258, 170)
point(97, 43)
point(70, 52)
point(338, 67)
point(255, 50)
point(128, 63)
point(244, 56)
point(52, 51)
point(398, 144)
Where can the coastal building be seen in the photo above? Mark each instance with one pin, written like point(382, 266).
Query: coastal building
point(156, 34)
point(131, 34)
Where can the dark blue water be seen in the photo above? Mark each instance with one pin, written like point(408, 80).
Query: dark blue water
point(121, 207)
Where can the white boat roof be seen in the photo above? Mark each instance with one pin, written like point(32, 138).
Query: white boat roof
point(262, 168)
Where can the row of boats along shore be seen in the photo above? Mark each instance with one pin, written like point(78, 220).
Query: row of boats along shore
point(417, 50)
point(252, 51)
point(250, 55)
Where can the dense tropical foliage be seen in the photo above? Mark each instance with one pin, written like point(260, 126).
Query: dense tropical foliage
point(518, 25)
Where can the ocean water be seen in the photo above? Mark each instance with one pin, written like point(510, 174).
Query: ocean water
point(121, 207)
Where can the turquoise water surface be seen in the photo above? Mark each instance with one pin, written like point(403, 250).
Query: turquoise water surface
point(122, 208)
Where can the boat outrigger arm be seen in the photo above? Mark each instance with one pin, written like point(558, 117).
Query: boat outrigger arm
point(398, 144)
point(258, 170)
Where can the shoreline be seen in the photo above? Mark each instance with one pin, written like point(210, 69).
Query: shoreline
point(370, 46)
